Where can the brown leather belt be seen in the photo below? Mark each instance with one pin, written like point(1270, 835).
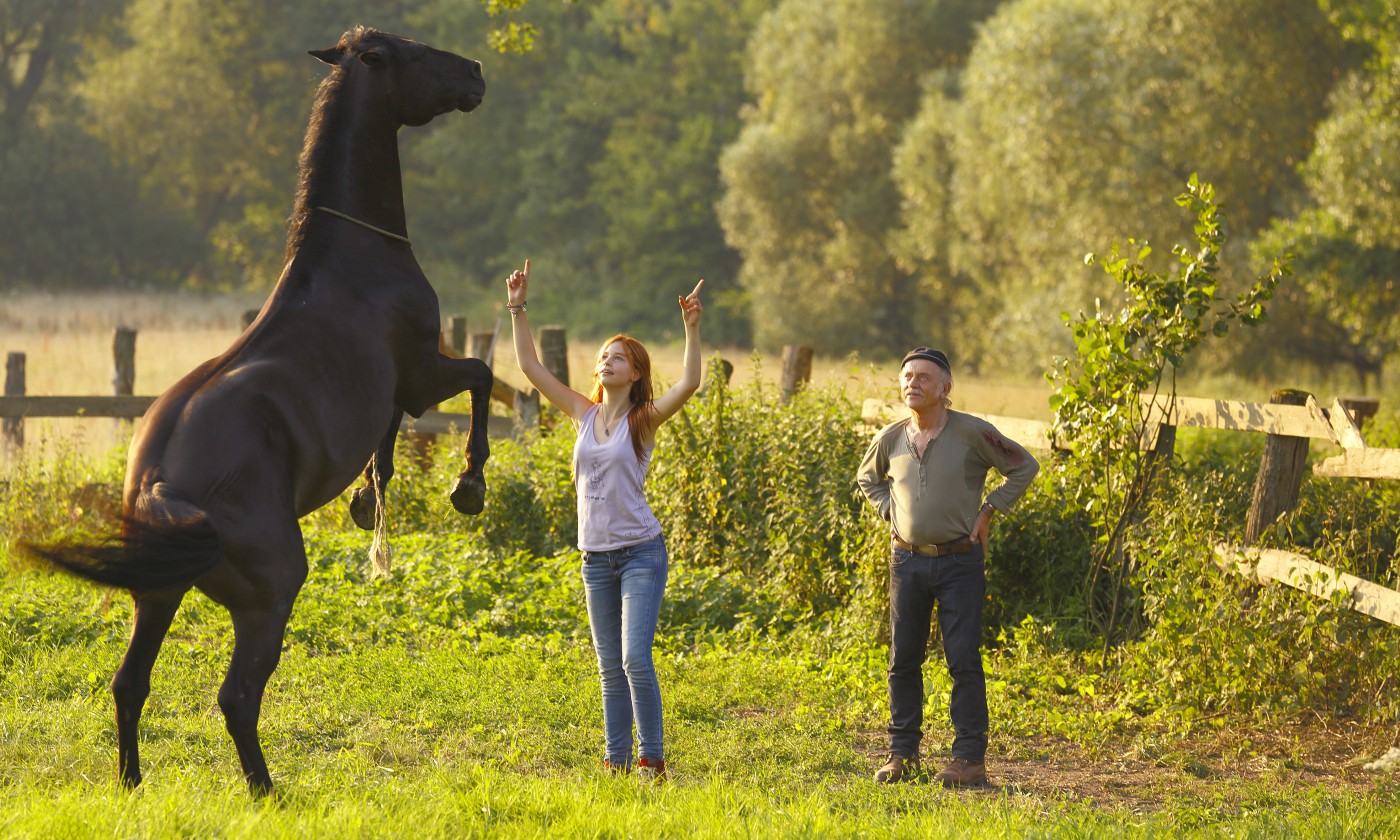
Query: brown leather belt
point(960, 547)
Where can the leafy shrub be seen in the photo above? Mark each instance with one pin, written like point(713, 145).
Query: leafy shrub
point(766, 489)
point(62, 494)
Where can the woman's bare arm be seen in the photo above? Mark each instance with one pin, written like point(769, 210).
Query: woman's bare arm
point(559, 394)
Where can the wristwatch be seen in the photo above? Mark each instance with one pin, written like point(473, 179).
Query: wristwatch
point(987, 508)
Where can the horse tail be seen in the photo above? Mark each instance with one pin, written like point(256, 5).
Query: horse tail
point(168, 542)
point(380, 554)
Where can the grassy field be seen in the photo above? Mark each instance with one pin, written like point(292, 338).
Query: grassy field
point(459, 700)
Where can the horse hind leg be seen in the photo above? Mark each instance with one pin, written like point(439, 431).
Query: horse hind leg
point(257, 649)
point(131, 685)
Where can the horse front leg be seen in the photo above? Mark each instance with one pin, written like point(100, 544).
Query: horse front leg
point(366, 499)
point(473, 375)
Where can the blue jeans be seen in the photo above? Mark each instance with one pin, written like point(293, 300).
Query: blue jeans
point(958, 584)
point(624, 589)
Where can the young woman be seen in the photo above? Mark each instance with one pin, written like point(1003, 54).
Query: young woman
point(624, 555)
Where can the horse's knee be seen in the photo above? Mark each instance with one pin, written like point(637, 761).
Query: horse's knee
point(240, 708)
point(129, 693)
point(469, 493)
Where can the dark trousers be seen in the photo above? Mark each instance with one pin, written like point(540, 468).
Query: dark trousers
point(957, 583)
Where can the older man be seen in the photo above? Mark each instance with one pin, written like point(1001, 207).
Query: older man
point(925, 475)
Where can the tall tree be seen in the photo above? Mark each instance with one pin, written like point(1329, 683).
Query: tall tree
point(1074, 109)
point(40, 41)
point(1343, 306)
point(208, 104)
point(809, 200)
point(73, 216)
point(596, 159)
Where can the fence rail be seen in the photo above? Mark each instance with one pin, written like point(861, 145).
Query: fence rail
point(121, 407)
point(1296, 570)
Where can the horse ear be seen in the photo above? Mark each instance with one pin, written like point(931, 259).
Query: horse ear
point(330, 56)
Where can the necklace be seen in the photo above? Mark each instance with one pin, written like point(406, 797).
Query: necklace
point(608, 426)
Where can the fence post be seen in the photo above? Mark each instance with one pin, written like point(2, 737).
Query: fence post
point(479, 346)
point(554, 352)
point(124, 362)
point(1361, 409)
point(14, 387)
point(457, 334)
point(797, 369)
point(527, 412)
point(1280, 473)
point(1164, 447)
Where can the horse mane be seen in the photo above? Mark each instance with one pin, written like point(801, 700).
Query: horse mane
point(325, 96)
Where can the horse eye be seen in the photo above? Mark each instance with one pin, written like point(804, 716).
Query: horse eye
point(371, 59)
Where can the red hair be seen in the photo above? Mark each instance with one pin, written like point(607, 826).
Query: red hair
point(639, 396)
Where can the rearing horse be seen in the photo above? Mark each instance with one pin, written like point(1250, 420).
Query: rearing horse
point(230, 457)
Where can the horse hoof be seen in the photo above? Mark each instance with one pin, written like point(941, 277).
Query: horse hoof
point(362, 508)
point(469, 494)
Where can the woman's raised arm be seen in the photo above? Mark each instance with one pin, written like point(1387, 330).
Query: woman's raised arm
point(675, 397)
point(559, 394)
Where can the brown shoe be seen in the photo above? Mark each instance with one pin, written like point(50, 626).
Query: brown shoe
point(898, 769)
point(962, 772)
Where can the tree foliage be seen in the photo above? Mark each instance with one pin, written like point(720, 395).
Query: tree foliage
point(809, 200)
point(74, 215)
point(602, 168)
point(1073, 110)
point(1344, 308)
point(855, 175)
point(40, 44)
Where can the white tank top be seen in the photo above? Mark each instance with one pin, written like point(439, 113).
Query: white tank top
point(612, 511)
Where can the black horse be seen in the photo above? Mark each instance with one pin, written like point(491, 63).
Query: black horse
point(228, 459)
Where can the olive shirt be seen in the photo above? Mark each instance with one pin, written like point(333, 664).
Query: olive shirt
point(935, 499)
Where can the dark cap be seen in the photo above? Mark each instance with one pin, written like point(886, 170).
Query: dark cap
point(935, 356)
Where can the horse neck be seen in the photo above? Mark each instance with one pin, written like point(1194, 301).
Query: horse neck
point(351, 162)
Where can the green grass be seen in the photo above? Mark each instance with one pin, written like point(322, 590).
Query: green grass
point(459, 699)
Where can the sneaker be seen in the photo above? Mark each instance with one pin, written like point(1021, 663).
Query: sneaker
point(898, 769)
point(651, 769)
point(962, 772)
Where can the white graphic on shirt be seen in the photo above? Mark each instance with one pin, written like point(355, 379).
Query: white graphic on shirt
point(593, 476)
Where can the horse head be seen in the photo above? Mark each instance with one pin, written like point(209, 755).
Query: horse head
point(420, 81)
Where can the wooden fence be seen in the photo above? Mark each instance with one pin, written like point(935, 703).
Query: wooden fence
point(16, 404)
point(1290, 420)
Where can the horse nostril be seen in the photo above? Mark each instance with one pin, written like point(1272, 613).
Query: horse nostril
point(476, 70)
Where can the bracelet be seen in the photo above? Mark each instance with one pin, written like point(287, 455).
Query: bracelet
point(987, 508)
point(516, 308)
